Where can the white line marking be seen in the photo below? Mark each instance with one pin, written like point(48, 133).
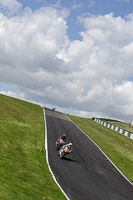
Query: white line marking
point(102, 152)
point(46, 149)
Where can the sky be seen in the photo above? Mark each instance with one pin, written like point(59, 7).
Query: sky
point(72, 55)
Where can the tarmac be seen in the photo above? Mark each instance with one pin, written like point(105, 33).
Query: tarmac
point(86, 173)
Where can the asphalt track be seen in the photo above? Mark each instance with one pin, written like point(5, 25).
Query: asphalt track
point(85, 174)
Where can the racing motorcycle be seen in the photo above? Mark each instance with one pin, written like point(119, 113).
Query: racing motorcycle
point(59, 144)
point(63, 151)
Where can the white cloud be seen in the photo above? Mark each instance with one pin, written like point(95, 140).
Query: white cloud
point(125, 97)
point(10, 6)
point(88, 75)
point(91, 3)
point(12, 94)
point(91, 114)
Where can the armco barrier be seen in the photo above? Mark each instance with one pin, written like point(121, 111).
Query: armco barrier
point(115, 128)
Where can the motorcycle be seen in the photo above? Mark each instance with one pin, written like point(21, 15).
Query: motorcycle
point(63, 151)
point(59, 144)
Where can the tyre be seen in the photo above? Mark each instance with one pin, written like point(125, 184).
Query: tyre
point(62, 154)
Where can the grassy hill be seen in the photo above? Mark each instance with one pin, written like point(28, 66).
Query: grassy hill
point(24, 174)
point(117, 147)
point(24, 171)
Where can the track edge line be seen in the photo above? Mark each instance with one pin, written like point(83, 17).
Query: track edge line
point(46, 150)
point(103, 153)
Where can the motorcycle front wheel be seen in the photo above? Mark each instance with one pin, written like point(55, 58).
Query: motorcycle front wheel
point(62, 155)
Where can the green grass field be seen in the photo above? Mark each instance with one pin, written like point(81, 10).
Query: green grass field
point(24, 174)
point(117, 147)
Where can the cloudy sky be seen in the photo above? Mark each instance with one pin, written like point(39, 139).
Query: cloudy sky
point(74, 55)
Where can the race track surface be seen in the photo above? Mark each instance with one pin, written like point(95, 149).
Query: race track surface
point(85, 174)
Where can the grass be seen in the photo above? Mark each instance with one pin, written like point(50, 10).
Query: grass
point(23, 168)
point(117, 147)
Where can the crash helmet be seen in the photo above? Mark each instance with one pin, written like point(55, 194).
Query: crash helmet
point(64, 136)
point(70, 144)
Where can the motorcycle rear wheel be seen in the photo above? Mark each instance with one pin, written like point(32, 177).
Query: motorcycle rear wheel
point(62, 155)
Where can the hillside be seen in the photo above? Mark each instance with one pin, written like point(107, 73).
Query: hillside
point(117, 147)
point(24, 171)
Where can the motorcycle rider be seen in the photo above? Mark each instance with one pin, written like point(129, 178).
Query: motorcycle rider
point(63, 137)
point(66, 149)
point(60, 141)
point(69, 146)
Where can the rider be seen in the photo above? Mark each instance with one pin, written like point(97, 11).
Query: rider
point(63, 137)
point(69, 146)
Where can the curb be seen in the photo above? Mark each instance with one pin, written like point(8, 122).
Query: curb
point(115, 128)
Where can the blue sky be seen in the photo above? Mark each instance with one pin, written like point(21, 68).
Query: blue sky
point(72, 55)
point(96, 7)
point(118, 7)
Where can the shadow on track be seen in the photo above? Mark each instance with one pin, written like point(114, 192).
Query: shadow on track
point(69, 159)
